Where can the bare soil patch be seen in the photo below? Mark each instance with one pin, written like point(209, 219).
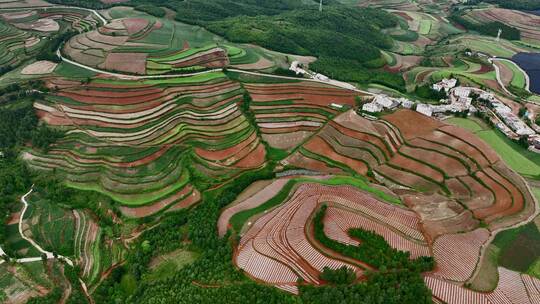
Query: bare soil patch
point(39, 68)
point(126, 62)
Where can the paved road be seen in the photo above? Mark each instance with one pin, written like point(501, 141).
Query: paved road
point(527, 79)
point(49, 254)
point(499, 80)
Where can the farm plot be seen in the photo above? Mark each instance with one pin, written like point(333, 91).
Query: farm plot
point(52, 19)
point(288, 113)
point(482, 74)
point(526, 23)
point(439, 159)
point(53, 228)
point(133, 141)
point(512, 288)
point(137, 43)
point(16, 45)
point(282, 260)
point(21, 282)
point(511, 74)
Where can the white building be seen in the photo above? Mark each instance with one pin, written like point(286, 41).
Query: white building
point(372, 107)
point(445, 84)
point(501, 109)
point(487, 96)
point(385, 101)
point(295, 67)
point(424, 109)
point(462, 92)
point(336, 106)
point(406, 103)
point(321, 77)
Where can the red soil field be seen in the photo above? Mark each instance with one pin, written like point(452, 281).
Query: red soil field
point(252, 202)
point(319, 146)
point(364, 137)
point(472, 140)
point(225, 153)
point(458, 145)
point(299, 160)
point(407, 179)
point(281, 260)
point(408, 123)
point(512, 288)
point(135, 25)
point(345, 220)
point(126, 62)
point(143, 161)
point(458, 189)
point(416, 167)
point(254, 159)
point(503, 199)
point(450, 166)
point(187, 202)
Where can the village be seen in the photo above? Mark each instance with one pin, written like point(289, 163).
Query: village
point(464, 101)
point(460, 100)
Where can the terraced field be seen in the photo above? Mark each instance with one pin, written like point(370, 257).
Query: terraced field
point(458, 190)
point(288, 113)
point(282, 260)
point(512, 288)
point(475, 72)
point(22, 282)
point(445, 163)
point(16, 45)
point(526, 23)
point(511, 74)
point(142, 142)
point(137, 43)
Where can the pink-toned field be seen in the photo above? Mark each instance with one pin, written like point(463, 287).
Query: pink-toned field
point(278, 249)
point(513, 288)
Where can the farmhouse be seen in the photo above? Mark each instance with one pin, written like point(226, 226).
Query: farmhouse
point(386, 101)
point(424, 109)
point(445, 84)
point(487, 96)
point(406, 103)
point(372, 107)
point(462, 92)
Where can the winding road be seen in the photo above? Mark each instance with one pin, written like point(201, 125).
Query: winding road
point(49, 254)
point(340, 84)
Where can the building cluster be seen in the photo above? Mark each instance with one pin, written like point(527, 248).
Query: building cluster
point(460, 100)
point(384, 102)
point(445, 84)
point(509, 123)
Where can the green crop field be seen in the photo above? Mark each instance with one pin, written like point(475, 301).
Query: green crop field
point(518, 158)
point(518, 78)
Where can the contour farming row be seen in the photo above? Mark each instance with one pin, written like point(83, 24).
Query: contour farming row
point(288, 113)
point(446, 164)
point(140, 142)
point(279, 247)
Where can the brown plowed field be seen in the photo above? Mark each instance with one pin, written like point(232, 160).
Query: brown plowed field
point(319, 146)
